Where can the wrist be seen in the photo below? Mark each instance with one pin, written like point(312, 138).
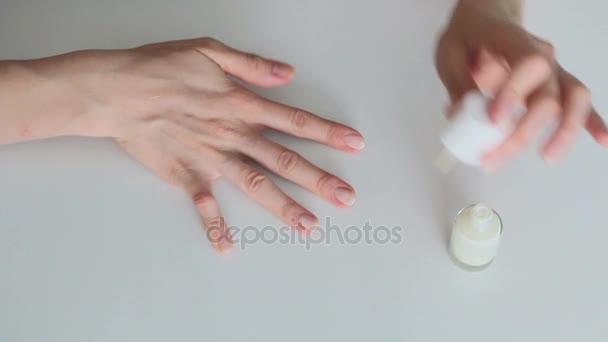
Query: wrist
point(511, 10)
point(35, 106)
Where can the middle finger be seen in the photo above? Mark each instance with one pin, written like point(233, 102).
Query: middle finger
point(290, 165)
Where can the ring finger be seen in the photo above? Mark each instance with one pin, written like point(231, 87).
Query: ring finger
point(290, 165)
point(577, 108)
point(259, 187)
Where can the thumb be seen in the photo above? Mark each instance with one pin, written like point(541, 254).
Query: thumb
point(249, 67)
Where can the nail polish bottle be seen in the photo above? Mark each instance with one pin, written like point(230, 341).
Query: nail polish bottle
point(476, 233)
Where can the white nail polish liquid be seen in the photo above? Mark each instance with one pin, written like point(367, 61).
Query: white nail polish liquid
point(475, 237)
point(469, 134)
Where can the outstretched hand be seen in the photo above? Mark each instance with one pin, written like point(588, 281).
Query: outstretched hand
point(174, 107)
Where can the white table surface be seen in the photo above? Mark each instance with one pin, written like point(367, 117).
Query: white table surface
point(93, 247)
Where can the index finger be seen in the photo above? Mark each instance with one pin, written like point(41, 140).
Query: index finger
point(596, 126)
point(303, 124)
point(527, 76)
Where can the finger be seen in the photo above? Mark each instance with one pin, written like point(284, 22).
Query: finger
point(182, 173)
point(217, 230)
point(577, 107)
point(597, 128)
point(490, 72)
point(452, 108)
point(306, 125)
point(542, 110)
point(290, 165)
point(512, 42)
point(259, 187)
point(527, 76)
point(453, 66)
point(249, 67)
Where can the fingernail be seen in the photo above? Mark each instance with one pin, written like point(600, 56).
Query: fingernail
point(491, 165)
point(345, 196)
point(307, 221)
point(603, 139)
point(550, 163)
point(550, 160)
point(354, 141)
point(501, 112)
point(551, 155)
point(225, 245)
point(282, 70)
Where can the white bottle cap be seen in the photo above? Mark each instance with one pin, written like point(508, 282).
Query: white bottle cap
point(470, 133)
point(481, 217)
point(475, 236)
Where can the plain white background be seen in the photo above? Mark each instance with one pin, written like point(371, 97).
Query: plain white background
point(93, 247)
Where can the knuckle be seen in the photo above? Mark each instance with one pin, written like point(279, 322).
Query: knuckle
point(287, 208)
point(566, 134)
point(254, 61)
point(519, 140)
point(242, 99)
point(203, 199)
point(570, 125)
point(251, 140)
point(224, 130)
point(254, 181)
point(298, 119)
point(552, 106)
point(215, 222)
point(209, 43)
point(548, 49)
point(580, 92)
point(333, 132)
point(540, 61)
point(326, 181)
point(287, 161)
point(180, 173)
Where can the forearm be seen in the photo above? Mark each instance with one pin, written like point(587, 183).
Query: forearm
point(36, 106)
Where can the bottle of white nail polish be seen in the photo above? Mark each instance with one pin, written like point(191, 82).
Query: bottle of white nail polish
point(475, 237)
point(469, 134)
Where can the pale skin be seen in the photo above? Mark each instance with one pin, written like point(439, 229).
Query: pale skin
point(174, 107)
point(485, 47)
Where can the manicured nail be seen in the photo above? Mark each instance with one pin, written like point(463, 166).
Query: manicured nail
point(550, 158)
point(354, 141)
point(345, 196)
point(486, 93)
point(551, 155)
point(603, 139)
point(225, 245)
point(222, 242)
point(281, 70)
point(501, 111)
point(307, 221)
point(492, 165)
